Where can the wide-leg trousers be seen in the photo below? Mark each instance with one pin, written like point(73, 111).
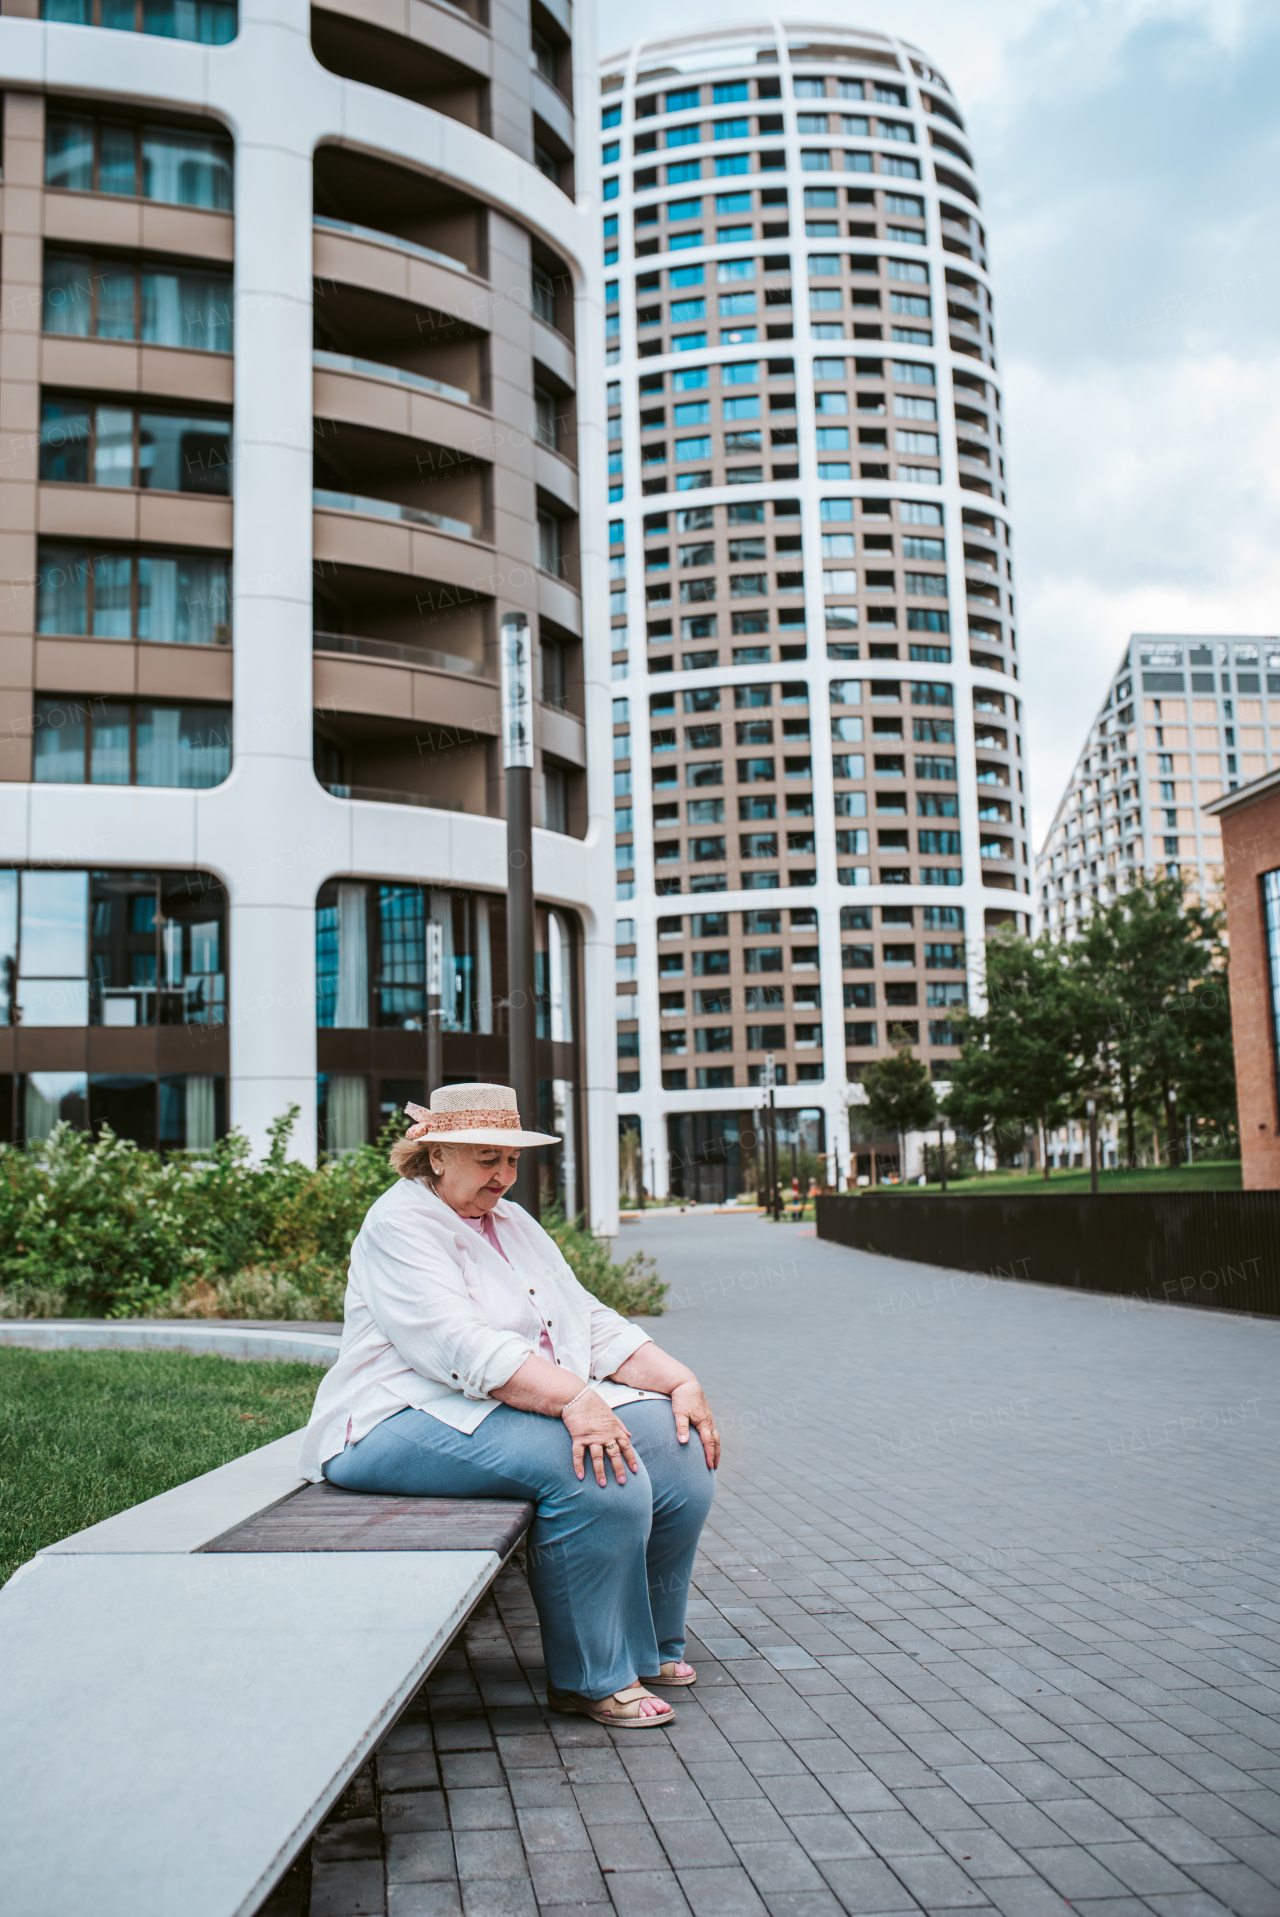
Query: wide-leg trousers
point(609, 1568)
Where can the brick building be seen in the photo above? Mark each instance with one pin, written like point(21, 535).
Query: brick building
point(1250, 822)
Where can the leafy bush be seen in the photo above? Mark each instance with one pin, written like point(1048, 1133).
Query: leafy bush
point(632, 1287)
point(98, 1227)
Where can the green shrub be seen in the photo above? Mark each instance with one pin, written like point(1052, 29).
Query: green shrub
point(632, 1287)
point(97, 1227)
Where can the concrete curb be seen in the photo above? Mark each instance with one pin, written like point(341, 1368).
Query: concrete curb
point(228, 1340)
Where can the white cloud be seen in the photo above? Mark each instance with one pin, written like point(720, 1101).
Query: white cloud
point(1127, 150)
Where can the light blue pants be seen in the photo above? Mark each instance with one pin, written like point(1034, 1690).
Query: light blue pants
point(609, 1569)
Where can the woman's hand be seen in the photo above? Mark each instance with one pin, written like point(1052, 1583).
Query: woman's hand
point(593, 1427)
point(688, 1402)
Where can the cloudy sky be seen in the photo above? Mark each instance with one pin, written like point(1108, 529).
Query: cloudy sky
point(1130, 160)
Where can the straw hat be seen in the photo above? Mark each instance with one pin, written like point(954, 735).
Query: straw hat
point(474, 1115)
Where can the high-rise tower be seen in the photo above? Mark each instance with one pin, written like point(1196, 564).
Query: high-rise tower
point(819, 785)
point(1187, 716)
point(300, 390)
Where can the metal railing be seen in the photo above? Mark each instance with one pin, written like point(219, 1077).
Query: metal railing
point(387, 797)
point(376, 369)
point(391, 239)
point(420, 656)
point(391, 509)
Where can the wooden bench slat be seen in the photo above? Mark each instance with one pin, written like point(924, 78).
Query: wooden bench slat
point(321, 1517)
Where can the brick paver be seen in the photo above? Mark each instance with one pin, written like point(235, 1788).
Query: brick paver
point(986, 1620)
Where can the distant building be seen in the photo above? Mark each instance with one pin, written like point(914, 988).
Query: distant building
point(1187, 717)
point(819, 772)
point(1250, 825)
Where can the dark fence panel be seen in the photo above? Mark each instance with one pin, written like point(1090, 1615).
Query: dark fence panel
point(1220, 1249)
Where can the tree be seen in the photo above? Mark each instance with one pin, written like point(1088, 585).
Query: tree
point(1018, 1058)
point(1151, 982)
point(900, 1096)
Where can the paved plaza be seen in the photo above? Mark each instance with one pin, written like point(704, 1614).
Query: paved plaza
point(987, 1619)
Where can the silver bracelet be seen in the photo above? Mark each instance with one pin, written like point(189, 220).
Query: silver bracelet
point(573, 1401)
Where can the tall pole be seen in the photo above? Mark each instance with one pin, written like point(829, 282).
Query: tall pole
point(517, 761)
point(1091, 1107)
point(435, 987)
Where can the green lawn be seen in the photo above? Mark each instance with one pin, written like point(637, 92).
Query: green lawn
point(1214, 1175)
point(84, 1434)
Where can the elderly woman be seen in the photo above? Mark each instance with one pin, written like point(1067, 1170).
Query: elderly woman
point(474, 1365)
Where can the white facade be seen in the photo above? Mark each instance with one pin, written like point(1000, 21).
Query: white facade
point(831, 162)
point(270, 831)
point(1186, 717)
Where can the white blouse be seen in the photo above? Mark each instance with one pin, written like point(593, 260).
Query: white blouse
point(436, 1318)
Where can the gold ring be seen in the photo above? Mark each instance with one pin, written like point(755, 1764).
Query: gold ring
point(612, 1445)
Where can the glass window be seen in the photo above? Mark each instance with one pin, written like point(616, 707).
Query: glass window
point(342, 1112)
point(62, 590)
point(61, 729)
point(114, 300)
point(402, 957)
point(181, 166)
point(51, 1098)
point(212, 22)
point(109, 749)
point(68, 152)
point(68, 294)
point(1271, 907)
point(186, 168)
point(54, 924)
point(183, 454)
point(185, 309)
point(52, 948)
point(185, 746)
point(112, 596)
point(180, 599)
point(65, 436)
point(124, 976)
point(192, 1112)
point(117, 158)
point(193, 938)
point(80, 442)
point(113, 446)
point(184, 600)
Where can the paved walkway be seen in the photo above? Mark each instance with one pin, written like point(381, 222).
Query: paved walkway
point(986, 1619)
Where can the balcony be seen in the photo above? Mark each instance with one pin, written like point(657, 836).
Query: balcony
point(375, 203)
point(382, 795)
point(391, 509)
point(394, 653)
point(380, 238)
point(431, 54)
point(374, 369)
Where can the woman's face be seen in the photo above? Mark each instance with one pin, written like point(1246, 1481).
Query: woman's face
point(476, 1176)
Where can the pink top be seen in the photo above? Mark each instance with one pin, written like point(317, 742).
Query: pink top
point(487, 1228)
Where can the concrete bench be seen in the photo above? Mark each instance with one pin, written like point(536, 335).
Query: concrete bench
point(190, 1686)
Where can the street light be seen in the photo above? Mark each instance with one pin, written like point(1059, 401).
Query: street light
point(517, 761)
point(435, 989)
point(769, 1079)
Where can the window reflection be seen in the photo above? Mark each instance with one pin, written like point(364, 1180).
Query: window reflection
point(175, 1111)
point(370, 955)
point(112, 948)
point(131, 744)
point(174, 164)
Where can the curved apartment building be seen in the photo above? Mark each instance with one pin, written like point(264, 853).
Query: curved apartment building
point(819, 784)
point(299, 394)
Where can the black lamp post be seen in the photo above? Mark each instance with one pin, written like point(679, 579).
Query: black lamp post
point(517, 761)
point(435, 988)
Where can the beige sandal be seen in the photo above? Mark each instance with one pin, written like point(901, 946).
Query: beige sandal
point(675, 1674)
point(621, 1712)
